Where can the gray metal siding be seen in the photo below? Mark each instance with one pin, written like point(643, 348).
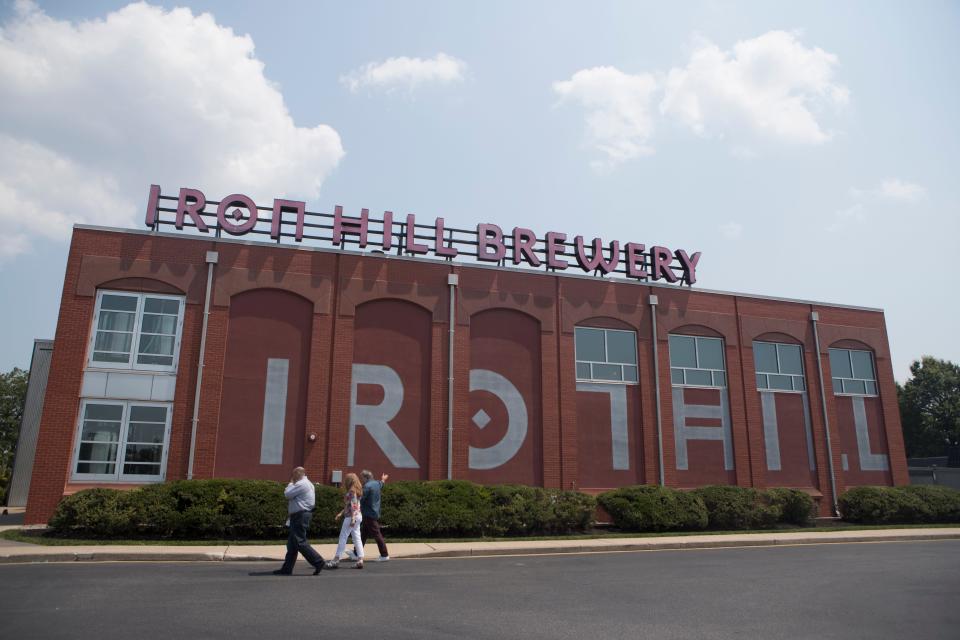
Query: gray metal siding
point(30, 427)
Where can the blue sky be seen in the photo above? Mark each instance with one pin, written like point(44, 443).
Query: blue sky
point(809, 150)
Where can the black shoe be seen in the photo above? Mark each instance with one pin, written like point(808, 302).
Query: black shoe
point(282, 572)
point(317, 568)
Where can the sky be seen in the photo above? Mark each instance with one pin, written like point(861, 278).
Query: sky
point(808, 150)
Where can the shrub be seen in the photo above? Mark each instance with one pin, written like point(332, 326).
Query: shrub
point(796, 507)
point(516, 509)
point(252, 509)
point(943, 503)
point(893, 505)
point(442, 508)
point(94, 512)
point(329, 503)
point(738, 508)
point(570, 511)
point(654, 508)
point(881, 505)
point(180, 509)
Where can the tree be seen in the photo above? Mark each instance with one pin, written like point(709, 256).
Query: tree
point(13, 393)
point(930, 407)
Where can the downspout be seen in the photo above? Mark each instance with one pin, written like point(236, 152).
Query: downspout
point(453, 280)
point(212, 257)
point(814, 317)
point(656, 382)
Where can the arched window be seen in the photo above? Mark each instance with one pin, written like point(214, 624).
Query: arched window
point(779, 366)
point(136, 331)
point(606, 355)
point(697, 361)
point(853, 372)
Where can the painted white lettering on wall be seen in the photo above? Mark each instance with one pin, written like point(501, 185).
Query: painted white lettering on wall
point(683, 432)
point(500, 453)
point(274, 411)
point(375, 418)
point(620, 449)
point(868, 461)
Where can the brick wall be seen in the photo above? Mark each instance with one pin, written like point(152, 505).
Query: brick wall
point(337, 283)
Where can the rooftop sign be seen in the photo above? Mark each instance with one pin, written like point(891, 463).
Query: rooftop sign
point(237, 215)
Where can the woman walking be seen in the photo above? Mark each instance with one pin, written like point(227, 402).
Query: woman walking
point(351, 521)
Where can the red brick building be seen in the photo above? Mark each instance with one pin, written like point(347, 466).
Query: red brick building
point(339, 360)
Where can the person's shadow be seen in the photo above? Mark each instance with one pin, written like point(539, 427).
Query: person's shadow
point(271, 573)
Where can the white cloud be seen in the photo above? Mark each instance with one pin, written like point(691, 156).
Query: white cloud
point(896, 189)
point(769, 87)
point(95, 111)
point(852, 215)
point(893, 189)
point(731, 230)
point(619, 113)
point(406, 73)
point(43, 193)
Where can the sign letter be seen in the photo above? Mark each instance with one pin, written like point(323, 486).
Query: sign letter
point(503, 389)
point(376, 417)
point(231, 227)
point(490, 236)
point(193, 208)
point(620, 449)
point(290, 206)
point(343, 224)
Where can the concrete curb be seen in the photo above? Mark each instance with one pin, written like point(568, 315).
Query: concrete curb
point(667, 546)
point(31, 554)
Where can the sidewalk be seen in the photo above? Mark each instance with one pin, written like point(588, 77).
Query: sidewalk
point(14, 552)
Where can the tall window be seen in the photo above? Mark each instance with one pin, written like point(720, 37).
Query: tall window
point(697, 361)
point(853, 372)
point(123, 441)
point(136, 331)
point(779, 366)
point(606, 355)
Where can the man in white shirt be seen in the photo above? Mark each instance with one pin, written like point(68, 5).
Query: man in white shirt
point(301, 500)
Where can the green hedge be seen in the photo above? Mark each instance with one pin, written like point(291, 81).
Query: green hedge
point(895, 505)
point(654, 508)
point(730, 508)
point(796, 507)
point(460, 508)
point(256, 509)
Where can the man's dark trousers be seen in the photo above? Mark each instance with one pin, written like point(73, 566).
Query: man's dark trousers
point(371, 527)
point(297, 542)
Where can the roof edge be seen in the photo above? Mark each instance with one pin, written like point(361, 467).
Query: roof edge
point(177, 236)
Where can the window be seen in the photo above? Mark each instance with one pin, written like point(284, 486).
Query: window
point(606, 355)
point(123, 441)
point(136, 331)
point(697, 362)
point(853, 372)
point(779, 366)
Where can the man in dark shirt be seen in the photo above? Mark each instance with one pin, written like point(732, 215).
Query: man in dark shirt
point(370, 508)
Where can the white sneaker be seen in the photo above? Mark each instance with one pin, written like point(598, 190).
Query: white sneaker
point(351, 555)
point(383, 559)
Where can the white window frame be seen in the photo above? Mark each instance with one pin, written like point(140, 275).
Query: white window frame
point(696, 350)
point(834, 378)
point(622, 365)
point(132, 364)
point(793, 376)
point(119, 476)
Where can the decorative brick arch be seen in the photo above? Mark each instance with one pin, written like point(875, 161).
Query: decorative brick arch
point(697, 330)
